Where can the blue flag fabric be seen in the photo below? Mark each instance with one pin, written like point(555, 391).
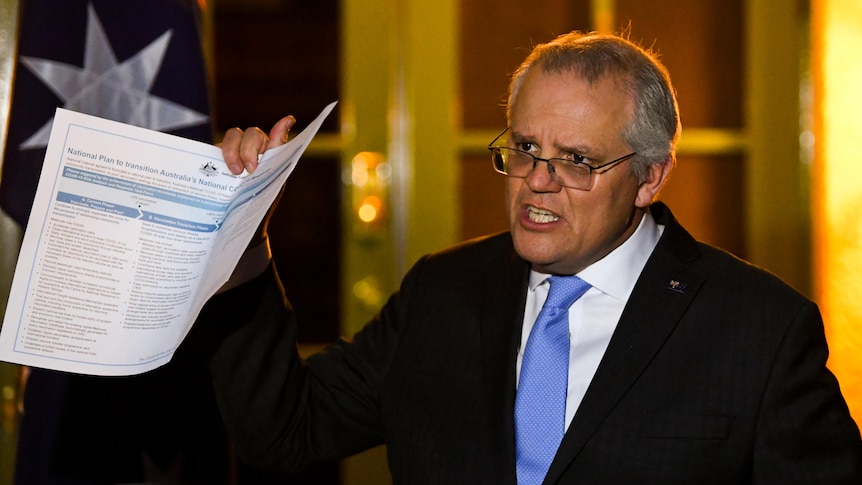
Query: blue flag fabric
point(139, 62)
point(136, 61)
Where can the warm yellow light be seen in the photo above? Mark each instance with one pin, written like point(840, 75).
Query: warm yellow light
point(359, 172)
point(369, 209)
point(837, 34)
point(367, 213)
point(369, 183)
point(369, 169)
point(368, 292)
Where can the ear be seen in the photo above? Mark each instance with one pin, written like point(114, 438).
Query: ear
point(656, 176)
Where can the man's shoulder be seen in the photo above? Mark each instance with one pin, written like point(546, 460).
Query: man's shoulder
point(499, 243)
point(722, 269)
point(470, 269)
point(735, 274)
point(486, 253)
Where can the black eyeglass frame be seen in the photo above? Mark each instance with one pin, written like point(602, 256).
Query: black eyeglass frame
point(592, 169)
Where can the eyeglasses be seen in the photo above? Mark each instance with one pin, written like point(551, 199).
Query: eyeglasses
point(564, 171)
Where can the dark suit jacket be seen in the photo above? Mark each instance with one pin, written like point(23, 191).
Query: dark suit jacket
point(715, 374)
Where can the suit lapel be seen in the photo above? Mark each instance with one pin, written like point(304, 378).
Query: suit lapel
point(661, 296)
point(502, 313)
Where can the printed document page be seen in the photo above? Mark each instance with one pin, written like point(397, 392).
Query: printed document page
point(131, 232)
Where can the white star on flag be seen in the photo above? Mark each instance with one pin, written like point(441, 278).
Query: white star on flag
point(110, 90)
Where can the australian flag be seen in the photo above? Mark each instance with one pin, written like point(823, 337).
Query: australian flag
point(139, 62)
point(135, 61)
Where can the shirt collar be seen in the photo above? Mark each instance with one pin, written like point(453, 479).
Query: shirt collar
point(617, 273)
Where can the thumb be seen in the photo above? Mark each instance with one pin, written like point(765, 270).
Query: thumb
point(279, 131)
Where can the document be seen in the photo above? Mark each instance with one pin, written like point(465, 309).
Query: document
point(131, 232)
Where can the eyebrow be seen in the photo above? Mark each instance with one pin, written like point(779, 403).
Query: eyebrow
point(582, 150)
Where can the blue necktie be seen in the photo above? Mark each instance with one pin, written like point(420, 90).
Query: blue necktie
point(540, 403)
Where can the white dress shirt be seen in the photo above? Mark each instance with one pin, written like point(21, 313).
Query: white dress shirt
point(593, 318)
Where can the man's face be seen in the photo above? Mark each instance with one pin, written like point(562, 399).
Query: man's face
point(558, 229)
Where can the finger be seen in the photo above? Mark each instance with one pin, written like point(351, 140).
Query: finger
point(230, 150)
point(253, 143)
point(278, 133)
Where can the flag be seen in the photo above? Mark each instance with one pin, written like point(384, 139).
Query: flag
point(139, 62)
point(135, 61)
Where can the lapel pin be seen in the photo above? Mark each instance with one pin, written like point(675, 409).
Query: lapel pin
point(676, 286)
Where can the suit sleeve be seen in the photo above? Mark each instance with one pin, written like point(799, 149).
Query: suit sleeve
point(805, 432)
point(285, 413)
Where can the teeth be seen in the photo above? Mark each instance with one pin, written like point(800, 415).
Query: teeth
point(541, 216)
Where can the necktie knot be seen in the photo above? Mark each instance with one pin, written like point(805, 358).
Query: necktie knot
point(564, 291)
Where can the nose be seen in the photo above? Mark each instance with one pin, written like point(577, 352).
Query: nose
point(542, 180)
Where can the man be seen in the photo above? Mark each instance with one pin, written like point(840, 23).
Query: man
point(685, 364)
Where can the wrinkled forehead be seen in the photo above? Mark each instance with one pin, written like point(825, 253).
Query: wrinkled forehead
point(566, 112)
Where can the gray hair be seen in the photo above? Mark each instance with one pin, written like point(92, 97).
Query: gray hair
point(654, 130)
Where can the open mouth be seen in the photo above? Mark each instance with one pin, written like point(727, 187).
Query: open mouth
point(541, 216)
